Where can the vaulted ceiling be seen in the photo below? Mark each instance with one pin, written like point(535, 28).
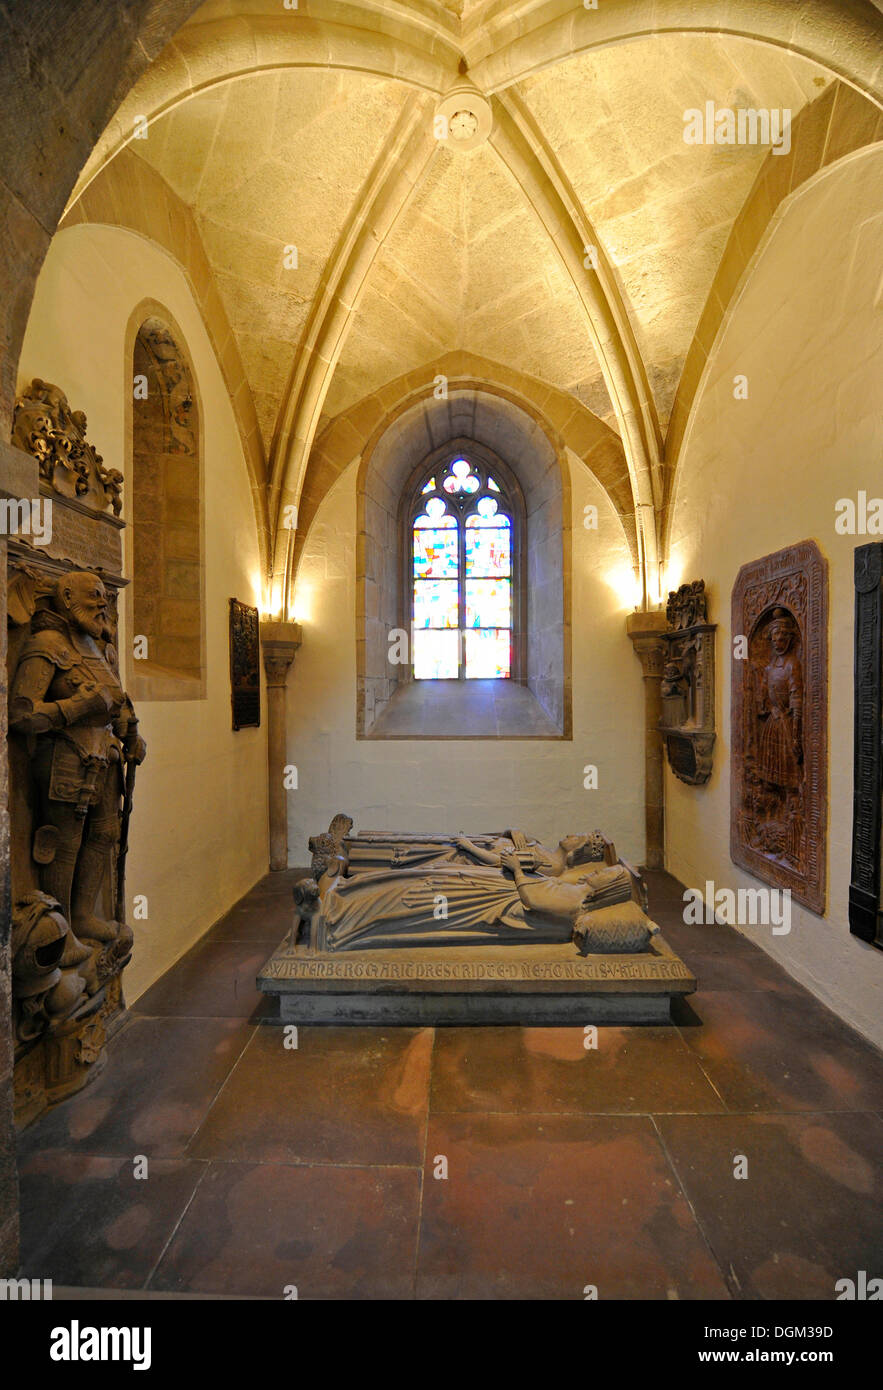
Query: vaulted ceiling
point(311, 128)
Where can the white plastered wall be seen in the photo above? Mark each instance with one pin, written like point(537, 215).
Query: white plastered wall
point(198, 838)
point(470, 785)
point(760, 474)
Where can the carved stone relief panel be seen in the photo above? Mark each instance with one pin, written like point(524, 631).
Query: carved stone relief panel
point(687, 693)
point(866, 878)
point(779, 781)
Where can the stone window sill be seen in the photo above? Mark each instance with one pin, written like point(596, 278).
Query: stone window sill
point(464, 709)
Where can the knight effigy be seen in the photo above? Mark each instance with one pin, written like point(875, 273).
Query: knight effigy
point(376, 890)
point(79, 733)
point(408, 927)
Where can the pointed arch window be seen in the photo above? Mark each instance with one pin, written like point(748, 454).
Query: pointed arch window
point(464, 551)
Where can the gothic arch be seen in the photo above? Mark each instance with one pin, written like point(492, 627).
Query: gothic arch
point(411, 437)
point(165, 543)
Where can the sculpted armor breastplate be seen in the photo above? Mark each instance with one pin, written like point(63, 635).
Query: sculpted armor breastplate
point(90, 740)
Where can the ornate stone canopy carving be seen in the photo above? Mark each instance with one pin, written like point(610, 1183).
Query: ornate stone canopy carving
point(45, 426)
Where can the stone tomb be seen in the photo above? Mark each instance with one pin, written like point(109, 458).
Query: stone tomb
point(437, 929)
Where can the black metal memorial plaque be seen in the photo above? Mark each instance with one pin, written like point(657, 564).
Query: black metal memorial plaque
point(245, 672)
point(865, 898)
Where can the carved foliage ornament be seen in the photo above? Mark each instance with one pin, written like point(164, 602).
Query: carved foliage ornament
point(45, 427)
point(779, 782)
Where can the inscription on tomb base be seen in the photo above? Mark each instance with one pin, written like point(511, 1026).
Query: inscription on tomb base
point(305, 968)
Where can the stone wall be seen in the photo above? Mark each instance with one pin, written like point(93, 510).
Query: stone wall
point(763, 473)
point(475, 784)
point(199, 831)
point(505, 432)
point(62, 72)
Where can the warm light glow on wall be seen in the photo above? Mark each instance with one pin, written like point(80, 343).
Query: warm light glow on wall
point(271, 602)
point(303, 603)
point(626, 585)
point(258, 593)
point(672, 578)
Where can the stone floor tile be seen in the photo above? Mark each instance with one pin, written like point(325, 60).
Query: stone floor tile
point(216, 979)
point(259, 1229)
point(160, 1079)
point(764, 1050)
point(810, 1210)
point(544, 1070)
point(541, 1208)
point(344, 1095)
point(88, 1220)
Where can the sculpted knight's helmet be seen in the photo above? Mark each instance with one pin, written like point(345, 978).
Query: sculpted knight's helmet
point(45, 990)
point(39, 933)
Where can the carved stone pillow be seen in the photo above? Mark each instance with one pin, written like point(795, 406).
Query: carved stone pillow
point(612, 930)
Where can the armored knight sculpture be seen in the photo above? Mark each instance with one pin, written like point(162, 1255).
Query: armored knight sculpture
point(82, 733)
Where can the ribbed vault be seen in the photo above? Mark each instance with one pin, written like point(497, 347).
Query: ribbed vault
point(584, 257)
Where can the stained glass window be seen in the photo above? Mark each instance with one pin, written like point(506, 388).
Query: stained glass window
point(462, 575)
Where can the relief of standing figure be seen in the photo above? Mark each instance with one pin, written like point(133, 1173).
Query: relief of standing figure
point(780, 753)
point(778, 765)
point(81, 733)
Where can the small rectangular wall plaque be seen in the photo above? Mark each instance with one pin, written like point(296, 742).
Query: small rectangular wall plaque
point(779, 773)
point(245, 671)
point(866, 888)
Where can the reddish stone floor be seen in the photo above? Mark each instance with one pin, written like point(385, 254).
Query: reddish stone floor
point(270, 1167)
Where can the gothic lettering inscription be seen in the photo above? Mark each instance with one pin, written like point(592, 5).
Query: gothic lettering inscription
point(509, 971)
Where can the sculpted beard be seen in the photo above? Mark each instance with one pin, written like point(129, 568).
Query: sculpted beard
point(95, 623)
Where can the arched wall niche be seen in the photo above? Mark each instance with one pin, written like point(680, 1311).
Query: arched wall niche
point(496, 430)
point(165, 548)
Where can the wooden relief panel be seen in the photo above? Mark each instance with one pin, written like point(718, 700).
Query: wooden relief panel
point(245, 671)
point(866, 888)
point(779, 781)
